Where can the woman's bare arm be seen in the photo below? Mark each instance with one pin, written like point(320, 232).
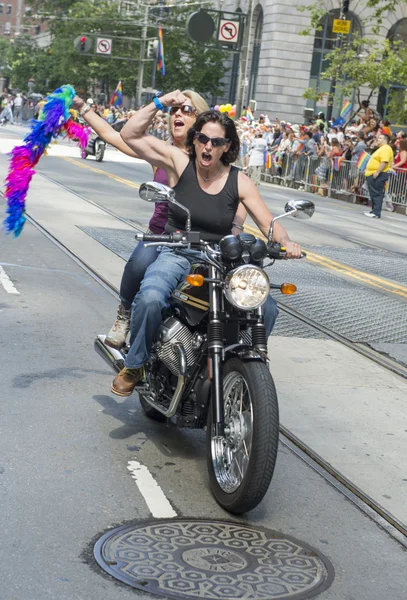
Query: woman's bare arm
point(104, 129)
point(250, 197)
point(155, 151)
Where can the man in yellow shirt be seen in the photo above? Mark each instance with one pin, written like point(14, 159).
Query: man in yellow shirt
point(377, 174)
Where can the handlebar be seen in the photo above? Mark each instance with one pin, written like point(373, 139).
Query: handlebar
point(278, 252)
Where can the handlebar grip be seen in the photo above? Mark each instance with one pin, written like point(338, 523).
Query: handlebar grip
point(151, 237)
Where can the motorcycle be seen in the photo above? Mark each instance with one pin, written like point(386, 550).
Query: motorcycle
point(208, 367)
point(96, 147)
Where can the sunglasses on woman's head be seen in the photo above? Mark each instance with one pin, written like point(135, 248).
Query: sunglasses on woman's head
point(216, 141)
point(186, 110)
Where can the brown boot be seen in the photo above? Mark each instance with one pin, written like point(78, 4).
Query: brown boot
point(116, 338)
point(125, 381)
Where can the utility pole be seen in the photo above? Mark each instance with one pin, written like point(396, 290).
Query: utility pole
point(338, 44)
point(244, 61)
point(160, 14)
point(141, 58)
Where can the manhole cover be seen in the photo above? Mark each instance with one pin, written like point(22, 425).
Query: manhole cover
point(183, 558)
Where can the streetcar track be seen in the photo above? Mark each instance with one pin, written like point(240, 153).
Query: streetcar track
point(375, 511)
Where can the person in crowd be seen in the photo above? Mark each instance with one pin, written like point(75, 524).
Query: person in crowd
point(377, 174)
point(400, 135)
point(385, 127)
point(310, 146)
point(400, 161)
point(7, 112)
point(181, 119)
point(256, 158)
point(18, 108)
point(205, 183)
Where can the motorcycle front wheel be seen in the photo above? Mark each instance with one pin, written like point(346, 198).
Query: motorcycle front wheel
point(241, 463)
point(99, 151)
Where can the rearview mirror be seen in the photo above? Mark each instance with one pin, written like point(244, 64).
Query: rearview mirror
point(156, 192)
point(304, 209)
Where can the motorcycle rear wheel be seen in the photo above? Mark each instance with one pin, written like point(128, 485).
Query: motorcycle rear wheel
point(151, 412)
point(241, 463)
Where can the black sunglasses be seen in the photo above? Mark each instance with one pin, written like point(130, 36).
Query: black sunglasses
point(186, 109)
point(216, 141)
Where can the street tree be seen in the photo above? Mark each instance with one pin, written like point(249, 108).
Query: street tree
point(363, 63)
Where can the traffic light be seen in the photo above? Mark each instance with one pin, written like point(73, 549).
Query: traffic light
point(345, 7)
point(83, 44)
point(152, 48)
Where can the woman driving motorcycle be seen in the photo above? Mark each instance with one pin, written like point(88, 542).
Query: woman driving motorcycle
point(212, 189)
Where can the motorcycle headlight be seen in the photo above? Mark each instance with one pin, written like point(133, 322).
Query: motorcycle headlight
point(247, 287)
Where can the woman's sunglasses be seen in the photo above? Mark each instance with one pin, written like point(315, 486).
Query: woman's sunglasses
point(186, 110)
point(216, 141)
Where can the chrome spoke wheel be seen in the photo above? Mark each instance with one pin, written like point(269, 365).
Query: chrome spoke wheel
point(231, 453)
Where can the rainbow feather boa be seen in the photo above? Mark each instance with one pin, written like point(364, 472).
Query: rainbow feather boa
point(54, 121)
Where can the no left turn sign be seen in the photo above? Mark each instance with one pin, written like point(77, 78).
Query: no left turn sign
point(228, 31)
point(103, 46)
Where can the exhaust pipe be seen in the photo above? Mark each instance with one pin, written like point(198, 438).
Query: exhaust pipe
point(175, 400)
point(114, 358)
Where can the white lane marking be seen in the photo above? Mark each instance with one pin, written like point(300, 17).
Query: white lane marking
point(7, 283)
point(151, 491)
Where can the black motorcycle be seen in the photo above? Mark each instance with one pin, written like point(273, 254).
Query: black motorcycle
point(208, 367)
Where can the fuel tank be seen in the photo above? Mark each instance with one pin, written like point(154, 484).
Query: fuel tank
point(192, 302)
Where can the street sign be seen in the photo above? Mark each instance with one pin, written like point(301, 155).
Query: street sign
point(341, 26)
point(103, 46)
point(228, 31)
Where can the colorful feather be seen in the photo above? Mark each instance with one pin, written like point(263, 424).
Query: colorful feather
point(53, 121)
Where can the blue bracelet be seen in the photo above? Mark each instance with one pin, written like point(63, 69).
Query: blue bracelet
point(158, 104)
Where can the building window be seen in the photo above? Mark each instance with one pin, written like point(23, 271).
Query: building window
point(1, 8)
point(8, 9)
point(392, 101)
point(324, 42)
point(7, 27)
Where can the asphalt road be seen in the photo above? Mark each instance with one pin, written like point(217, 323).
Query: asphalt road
point(66, 443)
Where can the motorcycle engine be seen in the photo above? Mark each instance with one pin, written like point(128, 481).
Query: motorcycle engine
point(171, 332)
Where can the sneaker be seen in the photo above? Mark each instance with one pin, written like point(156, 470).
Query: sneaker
point(371, 215)
point(116, 338)
point(125, 381)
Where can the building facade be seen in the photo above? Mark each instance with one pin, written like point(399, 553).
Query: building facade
point(283, 63)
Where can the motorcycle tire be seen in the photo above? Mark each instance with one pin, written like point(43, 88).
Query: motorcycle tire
point(99, 151)
point(241, 490)
point(151, 412)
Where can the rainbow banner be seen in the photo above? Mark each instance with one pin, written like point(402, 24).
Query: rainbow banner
point(160, 52)
point(346, 108)
point(249, 114)
point(362, 161)
point(117, 98)
point(338, 160)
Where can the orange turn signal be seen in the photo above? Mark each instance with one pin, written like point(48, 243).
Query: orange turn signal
point(195, 280)
point(288, 288)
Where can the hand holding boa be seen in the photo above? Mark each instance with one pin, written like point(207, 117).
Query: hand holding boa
point(53, 121)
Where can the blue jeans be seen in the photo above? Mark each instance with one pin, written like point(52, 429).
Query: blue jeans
point(140, 259)
point(161, 278)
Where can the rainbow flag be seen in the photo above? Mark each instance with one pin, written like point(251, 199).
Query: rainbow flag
point(249, 114)
point(268, 160)
point(363, 160)
point(346, 108)
point(117, 98)
point(338, 160)
point(160, 53)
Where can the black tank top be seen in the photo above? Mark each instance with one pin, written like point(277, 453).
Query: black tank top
point(211, 214)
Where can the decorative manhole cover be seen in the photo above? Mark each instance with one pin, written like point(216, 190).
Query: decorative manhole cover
point(216, 560)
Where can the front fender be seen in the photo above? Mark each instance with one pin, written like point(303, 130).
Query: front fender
point(245, 353)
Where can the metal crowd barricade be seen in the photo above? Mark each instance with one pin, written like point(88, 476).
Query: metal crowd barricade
point(331, 177)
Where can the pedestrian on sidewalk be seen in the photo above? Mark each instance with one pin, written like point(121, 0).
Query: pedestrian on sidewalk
point(18, 108)
point(377, 175)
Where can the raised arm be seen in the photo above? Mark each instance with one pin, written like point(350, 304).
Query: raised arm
point(102, 128)
point(251, 199)
point(155, 151)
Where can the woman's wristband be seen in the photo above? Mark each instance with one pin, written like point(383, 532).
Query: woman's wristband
point(82, 111)
point(158, 104)
point(238, 226)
